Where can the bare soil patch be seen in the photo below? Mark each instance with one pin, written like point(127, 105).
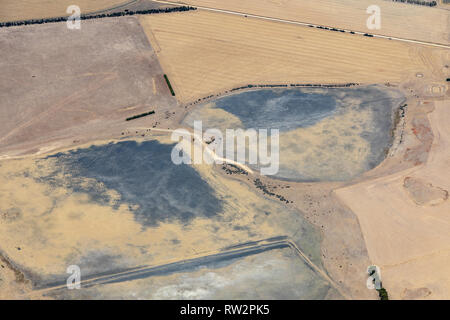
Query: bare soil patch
point(64, 87)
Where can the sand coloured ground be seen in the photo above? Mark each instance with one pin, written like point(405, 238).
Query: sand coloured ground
point(397, 19)
point(205, 53)
point(54, 97)
point(402, 235)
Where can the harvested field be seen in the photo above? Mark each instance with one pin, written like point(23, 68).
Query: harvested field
point(397, 19)
point(406, 231)
point(204, 53)
point(12, 10)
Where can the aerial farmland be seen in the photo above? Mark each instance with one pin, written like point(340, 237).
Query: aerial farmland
point(209, 150)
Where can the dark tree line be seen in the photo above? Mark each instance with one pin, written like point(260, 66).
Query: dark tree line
point(338, 30)
point(344, 85)
point(326, 28)
point(97, 16)
point(418, 2)
point(169, 85)
point(140, 115)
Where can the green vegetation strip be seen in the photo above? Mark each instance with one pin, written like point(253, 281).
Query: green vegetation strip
point(169, 85)
point(140, 115)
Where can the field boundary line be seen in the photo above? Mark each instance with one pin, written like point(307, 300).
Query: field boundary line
point(307, 24)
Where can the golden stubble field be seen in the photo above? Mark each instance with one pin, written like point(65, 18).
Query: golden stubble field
point(11, 10)
point(397, 19)
point(206, 53)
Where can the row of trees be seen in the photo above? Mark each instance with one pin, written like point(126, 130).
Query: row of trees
point(339, 30)
point(169, 85)
point(343, 85)
point(420, 3)
point(304, 85)
point(326, 28)
point(259, 86)
point(140, 115)
point(97, 16)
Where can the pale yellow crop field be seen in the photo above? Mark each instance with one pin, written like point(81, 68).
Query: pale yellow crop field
point(205, 53)
point(12, 10)
point(397, 19)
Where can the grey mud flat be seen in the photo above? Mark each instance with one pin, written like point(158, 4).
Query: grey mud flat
point(326, 134)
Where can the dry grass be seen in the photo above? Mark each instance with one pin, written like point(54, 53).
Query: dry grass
point(11, 10)
point(398, 19)
point(51, 96)
point(401, 235)
point(204, 53)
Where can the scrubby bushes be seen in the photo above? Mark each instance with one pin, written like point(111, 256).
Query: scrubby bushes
point(420, 3)
point(343, 85)
point(382, 293)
